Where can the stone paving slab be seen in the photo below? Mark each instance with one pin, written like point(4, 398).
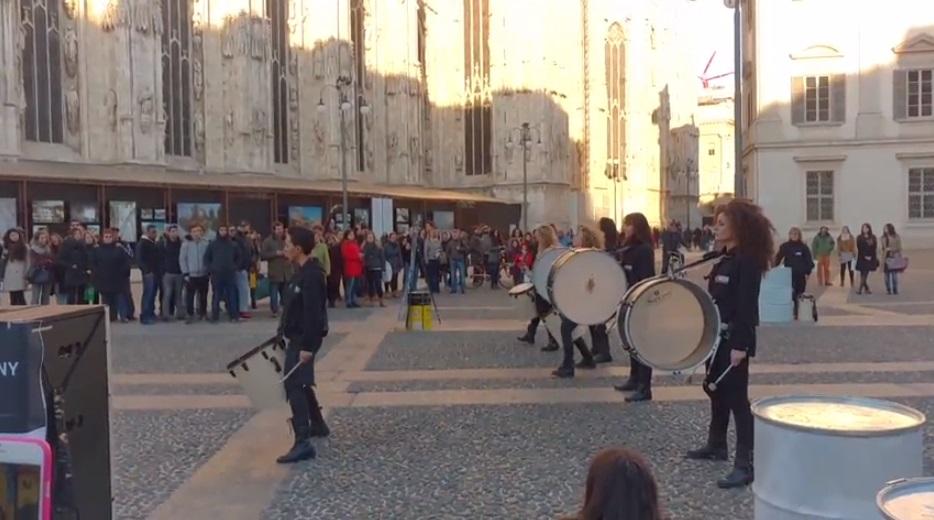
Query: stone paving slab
point(912, 309)
point(155, 452)
point(189, 348)
point(474, 349)
point(157, 389)
point(844, 343)
point(658, 381)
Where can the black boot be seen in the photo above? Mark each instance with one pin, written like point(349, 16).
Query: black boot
point(301, 449)
point(641, 394)
point(739, 477)
point(587, 363)
point(527, 339)
point(563, 373)
point(707, 452)
point(318, 428)
point(631, 383)
point(552, 346)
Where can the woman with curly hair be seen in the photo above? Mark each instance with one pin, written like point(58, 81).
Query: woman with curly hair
point(746, 237)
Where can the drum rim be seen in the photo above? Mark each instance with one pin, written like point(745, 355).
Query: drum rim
point(760, 405)
point(895, 486)
point(530, 284)
point(535, 266)
point(714, 327)
point(271, 342)
point(565, 258)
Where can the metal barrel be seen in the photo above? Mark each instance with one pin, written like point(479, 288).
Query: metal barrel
point(907, 499)
point(826, 457)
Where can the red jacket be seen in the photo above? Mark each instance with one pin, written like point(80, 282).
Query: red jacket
point(353, 264)
point(524, 260)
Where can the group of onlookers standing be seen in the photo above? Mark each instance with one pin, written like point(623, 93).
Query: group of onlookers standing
point(863, 253)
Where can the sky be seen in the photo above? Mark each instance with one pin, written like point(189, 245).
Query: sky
point(711, 25)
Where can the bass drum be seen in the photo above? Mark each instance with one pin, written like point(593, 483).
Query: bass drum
point(669, 324)
point(542, 269)
point(586, 286)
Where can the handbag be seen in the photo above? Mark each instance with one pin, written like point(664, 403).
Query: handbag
point(38, 275)
point(897, 263)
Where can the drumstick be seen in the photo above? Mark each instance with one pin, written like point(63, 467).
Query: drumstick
point(713, 386)
point(290, 372)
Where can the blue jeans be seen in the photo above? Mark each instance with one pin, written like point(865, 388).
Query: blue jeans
point(148, 301)
point(891, 281)
point(458, 275)
point(276, 292)
point(117, 304)
point(225, 288)
point(434, 276)
point(350, 293)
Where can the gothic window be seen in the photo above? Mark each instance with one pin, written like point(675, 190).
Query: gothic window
point(358, 38)
point(176, 76)
point(616, 101)
point(478, 112)
point(42, 71)
point(278, 12)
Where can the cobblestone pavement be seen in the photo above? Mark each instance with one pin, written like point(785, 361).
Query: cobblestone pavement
point(422, 422)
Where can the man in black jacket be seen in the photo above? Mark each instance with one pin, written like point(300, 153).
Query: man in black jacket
point(221, 260)
point(242, 238)
point(110, 269)
point(304, 324)
point(150, 262)
point(172, 279)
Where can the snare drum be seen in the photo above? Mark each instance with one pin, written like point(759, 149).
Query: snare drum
point(669, 324)
point(586, 286)
point(524, 293)
point(259, 372)
point(542, 269)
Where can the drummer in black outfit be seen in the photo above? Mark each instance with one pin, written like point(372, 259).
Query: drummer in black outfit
point(598, 333)
point(304, 324)
point(746, 236)
point(547, 239)
point(586, 238)
point(638, 260)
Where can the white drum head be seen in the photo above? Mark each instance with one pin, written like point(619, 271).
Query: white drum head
point(669, 324)
point(522, 288)
point(542, 268)
point(586, 286)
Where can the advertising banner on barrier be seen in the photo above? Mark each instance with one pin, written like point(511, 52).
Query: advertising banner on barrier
point(22, 408)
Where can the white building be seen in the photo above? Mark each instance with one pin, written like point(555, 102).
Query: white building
point(839, 114)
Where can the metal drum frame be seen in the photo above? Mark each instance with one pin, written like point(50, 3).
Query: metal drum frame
point(563, 260)
point(711, 335)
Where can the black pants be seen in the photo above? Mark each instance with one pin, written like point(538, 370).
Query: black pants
point(334, 289)
point(864, 280)
point(600, 339)
point(730, 397)
point(533, 327)
point(567, 330)
point(300, 393)
point(844, 268)
point(640, 374)
point(799, 283)
point(199, 285)
point(374, 283)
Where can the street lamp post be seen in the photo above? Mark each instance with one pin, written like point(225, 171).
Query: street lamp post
point(344, 106)
point(525, 139)
point(738, 188)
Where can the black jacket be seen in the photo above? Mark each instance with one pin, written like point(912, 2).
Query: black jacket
point(223, 257)
point(305, 320)
point(171, 249)
point(148, 256)
point(245, 261)
point(638, 261)
point(110, 268)
point(796, 256)
point(74, 261)
point(734, 285)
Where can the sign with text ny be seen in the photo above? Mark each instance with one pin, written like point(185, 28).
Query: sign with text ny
point(22, 407)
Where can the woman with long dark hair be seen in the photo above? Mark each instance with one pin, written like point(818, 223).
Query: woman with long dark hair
point(13, 265)
point(598, 333)
point(745, 234)
point(795, 255)
point(867, 257)
point(620, 486)
point(638, 261)
point(891, 248)
point(846, 250)
point(41, 273)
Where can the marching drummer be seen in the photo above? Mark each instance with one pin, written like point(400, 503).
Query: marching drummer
point(304, 324)
point(586, 238)
point(547, 239)
point(746, 236)
point(638, 261)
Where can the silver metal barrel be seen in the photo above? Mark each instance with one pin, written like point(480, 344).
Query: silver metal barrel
point(827, 457)
point(907, 499)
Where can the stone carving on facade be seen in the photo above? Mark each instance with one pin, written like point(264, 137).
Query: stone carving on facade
point(392, 86)
point(230, 130)
point(370, 156)
point(198, 128)
point(319, 135)
point(293, 97)
point(156, 13)
point(71, 52)
point(293, 63)
point(260, 126)
point(72, 111)
point(293, 138)
point(110, 105)
point(146, 103)
point(459, 161)
point(19, 94)
point(392, 146)
point(413, 150)
point(115, 15)
point(197, 77)
point(260, 38)
point(317, 63)
point(71, 8)
point(368, 120)
point(142, 15)
point(245, 35)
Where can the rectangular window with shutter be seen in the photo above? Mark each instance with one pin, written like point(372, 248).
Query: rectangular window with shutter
point(818, 100)
point(919, 96)
point(819, 196)
point(921, 193)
